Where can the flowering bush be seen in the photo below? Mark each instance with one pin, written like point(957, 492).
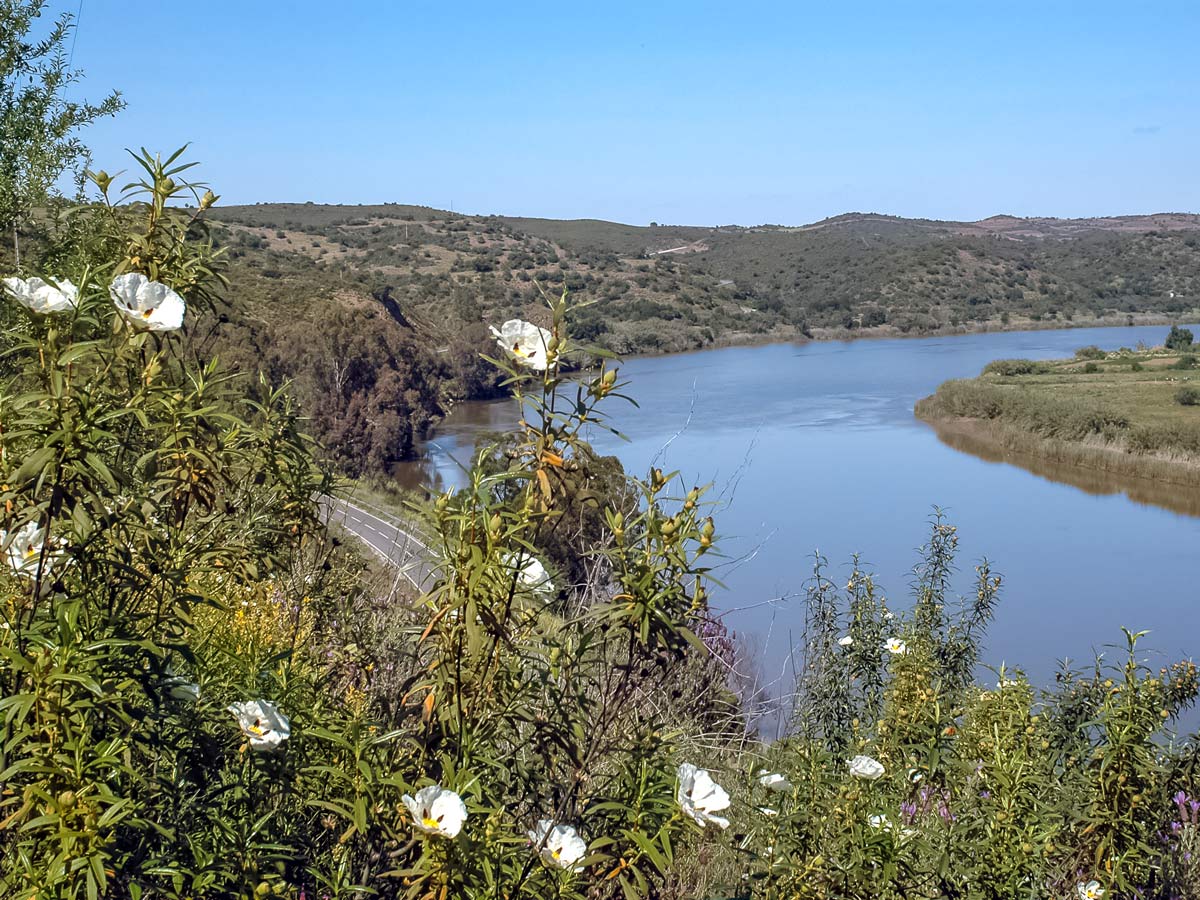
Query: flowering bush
point(204, 696)
point(200, 697)
point(908, 779)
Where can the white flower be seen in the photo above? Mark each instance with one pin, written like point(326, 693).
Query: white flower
point(1006, 683)
point(531, 573)
point(437, 811)
point(42, 296)
point(866, 767)
point(1089, 891)
point(884, 823)
point(767, 811)
point(558, 845)
point(25, 551)
point(773, 781)
point(888, 614)
point(148, 305)
point(524, 342)
point(896, 646)
point(181, 689)
point(262, 722)
point(699, 796)
point(845, 641)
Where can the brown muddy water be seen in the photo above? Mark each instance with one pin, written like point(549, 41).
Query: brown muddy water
point(814, 448)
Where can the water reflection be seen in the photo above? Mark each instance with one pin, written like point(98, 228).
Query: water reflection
point(444, 460)
point(1177, 497)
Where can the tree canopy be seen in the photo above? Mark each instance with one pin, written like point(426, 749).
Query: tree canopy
point(39, 125)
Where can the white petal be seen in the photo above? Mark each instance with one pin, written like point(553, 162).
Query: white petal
point(775, 782)
point(42, 296)
point(525, 342)
point(866, 767)
point(443, 808)
point(147, 305)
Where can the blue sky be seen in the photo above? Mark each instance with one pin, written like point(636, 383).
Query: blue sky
point(681, 112)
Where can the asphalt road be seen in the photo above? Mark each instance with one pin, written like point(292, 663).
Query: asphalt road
point(387, 539)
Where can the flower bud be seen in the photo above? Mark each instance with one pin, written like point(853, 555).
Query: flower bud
point(208, 199)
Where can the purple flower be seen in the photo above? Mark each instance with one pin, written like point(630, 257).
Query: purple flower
point(985, 795)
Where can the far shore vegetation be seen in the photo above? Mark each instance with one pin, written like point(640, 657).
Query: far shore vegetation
point(1130, 411)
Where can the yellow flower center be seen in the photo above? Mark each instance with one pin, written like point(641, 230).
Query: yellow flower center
point(148, 313)
point(556, 853)
point(256, 729)
point(431, 823)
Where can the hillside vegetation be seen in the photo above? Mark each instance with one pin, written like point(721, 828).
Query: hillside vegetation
point(666, 288)
point(378, 312)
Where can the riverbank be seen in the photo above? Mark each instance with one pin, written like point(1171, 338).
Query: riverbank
point(1129, 414)
point(1014, 325)
point(999, 326)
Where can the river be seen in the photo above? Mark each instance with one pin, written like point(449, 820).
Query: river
point(815, 447)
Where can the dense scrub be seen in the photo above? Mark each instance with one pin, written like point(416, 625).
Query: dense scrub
point(729, 284)
point(860, 271)
point(1131, 402)
point(205, 696)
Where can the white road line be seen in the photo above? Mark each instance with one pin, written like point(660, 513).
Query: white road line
point(399, 554)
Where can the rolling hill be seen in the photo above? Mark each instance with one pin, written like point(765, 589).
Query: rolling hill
point(379, 312)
